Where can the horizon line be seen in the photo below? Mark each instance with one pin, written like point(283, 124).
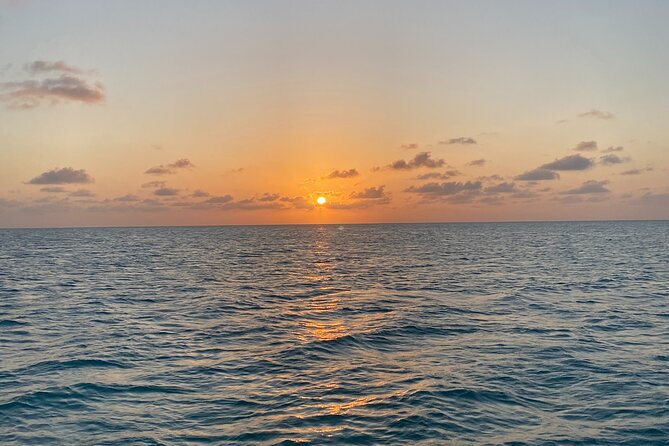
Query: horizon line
point(650, 220)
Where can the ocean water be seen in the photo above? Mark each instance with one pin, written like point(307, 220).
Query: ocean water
point(519, 333)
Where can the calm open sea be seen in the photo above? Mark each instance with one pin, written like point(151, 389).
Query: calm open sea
point(519, 333)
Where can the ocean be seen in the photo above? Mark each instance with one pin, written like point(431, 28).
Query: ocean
point(408, 334)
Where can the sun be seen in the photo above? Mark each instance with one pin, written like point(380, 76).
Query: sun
point(321, 200)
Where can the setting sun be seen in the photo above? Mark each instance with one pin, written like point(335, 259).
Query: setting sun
point(321, 200)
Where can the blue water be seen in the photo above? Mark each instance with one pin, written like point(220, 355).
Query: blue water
point(519, 333)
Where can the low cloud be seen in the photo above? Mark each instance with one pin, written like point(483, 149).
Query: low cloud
point(81, 193)
point(463, 140)
point(171, 168)
point(66, 175)
point(501, 188)
point(614, 149)
point(597, 114)
point(586, 146)
point(477, 163)
point(199, 194)
point(412, 146)
point(297, 202)
point(589, 187)
point(423, 159)
point(444, 189)
point(636, 171)
point(571, 162)
point(370, 193)
point(222, 199)
point(127, 198)
point(439, 176)
point(538, 174)
point(53, 189)
point(266, 197)
point(611, 159)
point(153, 184)
point(350, 173)
point(166, 192)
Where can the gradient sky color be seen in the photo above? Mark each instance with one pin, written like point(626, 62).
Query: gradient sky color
point(244, 112)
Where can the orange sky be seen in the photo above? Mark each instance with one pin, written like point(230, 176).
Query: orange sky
point(239, 113)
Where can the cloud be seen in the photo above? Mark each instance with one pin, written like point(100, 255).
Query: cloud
point(199, 194)
point(501, 188)
point(166, 192)
point(297, 202)
point(614, 149)
point(571, 162)
point(221, 199)
point(422, 159)
point(69, 85)
point(53, 189)
point(153, 184)
point(159, 170)
point(538, 174)
point(182, 163)
point(370, 193)
point(477, 163)
point(586, 146)
point(269, 197)
point(597, 114)
point(636, 171)
point(350, 173)
point(461, 140)
point(411, 146)
point(80, 193)
point(250, 204)
point(43, 66)
point(589, 187)
point(171, 168)
point(439, 176)
point(611, 159)
point(66, 175)
point(444, 189)
point(127, 198)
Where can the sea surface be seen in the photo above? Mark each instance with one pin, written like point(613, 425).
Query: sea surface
point(508, 333)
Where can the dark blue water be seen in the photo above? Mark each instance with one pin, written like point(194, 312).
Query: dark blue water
point(526, 333)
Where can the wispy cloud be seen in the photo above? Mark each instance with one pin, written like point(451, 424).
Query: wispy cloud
point(53, 189)
point(477, 163)
point(166, 192)
point(614, 149)
point(411, 146)
point(81, 193)
point(597, 114)
point(432, 190)
point(586, 146)
point(44, 66)
point(171, 168)
point(462, 140)
point(636, 171)
point(66, 175)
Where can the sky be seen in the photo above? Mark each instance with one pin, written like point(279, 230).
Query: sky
point(165, 112)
